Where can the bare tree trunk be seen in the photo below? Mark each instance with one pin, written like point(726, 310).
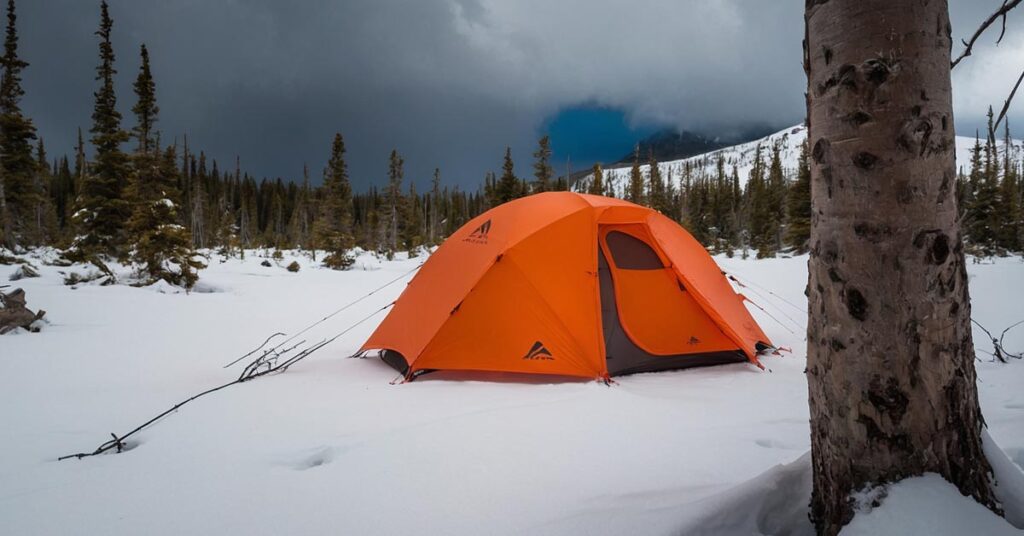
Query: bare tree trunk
point(890, 362)
point(198, 217)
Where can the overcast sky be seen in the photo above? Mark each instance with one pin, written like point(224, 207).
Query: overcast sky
point(449, 83)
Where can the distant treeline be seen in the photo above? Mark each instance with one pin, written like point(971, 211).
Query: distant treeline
point(152, 203)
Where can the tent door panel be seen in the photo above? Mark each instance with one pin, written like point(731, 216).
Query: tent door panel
point(649, 321)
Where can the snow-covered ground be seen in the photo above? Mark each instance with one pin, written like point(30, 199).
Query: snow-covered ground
point(742, 158)
point(332, 447)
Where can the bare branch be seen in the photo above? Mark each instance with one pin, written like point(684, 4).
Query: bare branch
point(999, 14)
point(1002, 113)
point(261, 366)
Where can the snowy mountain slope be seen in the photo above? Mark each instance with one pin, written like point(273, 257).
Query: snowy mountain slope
point(330, 447)
point(742, 156)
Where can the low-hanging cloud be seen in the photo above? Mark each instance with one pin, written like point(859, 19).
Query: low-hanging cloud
point(447, 82)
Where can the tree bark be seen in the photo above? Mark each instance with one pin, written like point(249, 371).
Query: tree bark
point(890, 364)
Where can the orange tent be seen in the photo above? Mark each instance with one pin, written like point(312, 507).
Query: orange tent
point(568, 284)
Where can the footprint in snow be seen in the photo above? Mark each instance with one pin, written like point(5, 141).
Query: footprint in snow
point(316, 458)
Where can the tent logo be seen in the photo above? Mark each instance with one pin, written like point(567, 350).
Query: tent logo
point(539, 352)
point(479, 236)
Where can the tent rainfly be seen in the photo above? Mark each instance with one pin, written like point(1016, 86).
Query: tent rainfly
point(569, 284)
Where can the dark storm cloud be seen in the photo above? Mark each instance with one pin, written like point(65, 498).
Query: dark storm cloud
point(447, 82)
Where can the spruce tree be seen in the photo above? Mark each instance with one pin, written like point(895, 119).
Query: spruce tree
point(102, 210)
point(508, 186)
point(145, 108)
point(81, 165)
point(1008, 209)
point(722, 235)
point(412, 221)
point(982, 199)
point(393, 204)
point(63, 193)
point(299, 225)
point(597, 183)
point(197, 204)
point(334, 226)
point(658, 197)
point(160, 247)
point(635, 189)
point(17, 164)
point(490, 190)
point(435, 207)
point(542, 171)
point(761, 223)
point(44, 226)
point(776, 186)
point(798, 205)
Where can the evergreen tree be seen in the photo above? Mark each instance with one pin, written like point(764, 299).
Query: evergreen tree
point(597, 184)
point(542, 171)
point(393, 204)
point(299, 226)
point(798, 205)
point(435, 207)
point(102, 209)
point(18, 167)
point(44, 228)
point(81, 166)
point(695, 212)
point(63, 191)
point(1008, 209)
point(334, 226)
point(760, 223)
point(247, 222)
point(197, 205)
point(412, 221)
point(145, 108)
point(508, 187)
point(658, 195)
point(635, 189)
point(160, 247)
point(722, 235)
point(982, 199)
point(776, 192)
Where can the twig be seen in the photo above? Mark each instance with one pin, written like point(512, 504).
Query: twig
point(1000, 13)
point(1002, 113)
point(257, 349)
point(1000, 352)
point(1003, 334)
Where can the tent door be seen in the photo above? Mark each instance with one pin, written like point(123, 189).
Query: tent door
point(649, 320)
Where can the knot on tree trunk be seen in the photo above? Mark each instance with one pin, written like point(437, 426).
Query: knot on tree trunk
point(14, 314)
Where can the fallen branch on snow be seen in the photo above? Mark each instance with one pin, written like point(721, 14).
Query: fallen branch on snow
point(1000, 352)
point(270, 362)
